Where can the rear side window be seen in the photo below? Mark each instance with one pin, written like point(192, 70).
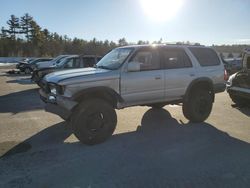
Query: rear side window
point(205, 56)
point(89, 61)
point(175, 58)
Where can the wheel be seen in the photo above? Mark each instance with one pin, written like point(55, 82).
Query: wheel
point(27, 70)
point(239, 101)
point(198, 106)
point(157, 106)
point(93, 121)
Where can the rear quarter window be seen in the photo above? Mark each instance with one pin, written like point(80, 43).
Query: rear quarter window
point(205, 56)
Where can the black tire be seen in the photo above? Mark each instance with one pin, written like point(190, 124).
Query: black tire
point(198, 106)
point(27, 70)
point(157, 106)
point(239, 101)
point(93, 121)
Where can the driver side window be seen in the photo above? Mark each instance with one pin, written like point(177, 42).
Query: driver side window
point(73, 63)
point(69, 64)
point(148, 60)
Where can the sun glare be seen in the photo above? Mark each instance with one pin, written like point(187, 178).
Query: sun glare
point(161, 10)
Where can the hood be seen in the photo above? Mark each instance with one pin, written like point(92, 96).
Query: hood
point(46, 68)
point(59, 76)
point(23, 63)
point(45, 64)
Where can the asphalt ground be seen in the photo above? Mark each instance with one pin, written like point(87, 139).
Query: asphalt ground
point(150, 148)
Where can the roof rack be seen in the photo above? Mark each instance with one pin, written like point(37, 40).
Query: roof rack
point(185, 44)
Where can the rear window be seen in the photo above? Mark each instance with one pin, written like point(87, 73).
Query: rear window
point(205, 56)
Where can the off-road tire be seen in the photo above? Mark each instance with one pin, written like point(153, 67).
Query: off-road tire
point(239, 101)
point(197, 107)
point(93, 121)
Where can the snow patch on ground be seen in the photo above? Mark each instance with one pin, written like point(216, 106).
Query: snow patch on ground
point(6, 64)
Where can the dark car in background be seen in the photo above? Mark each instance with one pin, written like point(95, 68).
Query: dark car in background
point(70, 62)
point(238, 84)
point(232, 65)
point(30, 65)
point(53, 62)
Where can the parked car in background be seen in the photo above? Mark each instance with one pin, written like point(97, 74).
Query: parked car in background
point(69, 62)
point(238, 85)
point(53, 62)
point(233, 65)
point(24, 60)
point(29, 66)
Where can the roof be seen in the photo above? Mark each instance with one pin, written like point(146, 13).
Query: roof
point(163, 45)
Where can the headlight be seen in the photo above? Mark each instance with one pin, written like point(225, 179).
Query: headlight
point(56, 89)
point(52, 88)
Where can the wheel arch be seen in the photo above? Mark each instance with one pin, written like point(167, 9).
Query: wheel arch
point(101, 92)
point(202, 83)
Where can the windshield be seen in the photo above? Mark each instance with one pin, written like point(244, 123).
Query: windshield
point(59, 58)
point(63, 61)
point(114, 59)
point(32, 61)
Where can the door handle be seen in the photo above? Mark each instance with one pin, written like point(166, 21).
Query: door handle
point(192, 74)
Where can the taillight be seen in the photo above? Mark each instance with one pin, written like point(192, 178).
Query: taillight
point(225, 75)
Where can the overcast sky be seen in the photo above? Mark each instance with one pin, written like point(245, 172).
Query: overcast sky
point(205, 21)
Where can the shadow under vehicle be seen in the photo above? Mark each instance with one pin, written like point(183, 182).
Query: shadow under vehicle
point(70, 62)
point(162, 152)
point(238, 85)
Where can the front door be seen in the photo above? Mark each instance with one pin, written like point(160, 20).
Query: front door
point(147, 84)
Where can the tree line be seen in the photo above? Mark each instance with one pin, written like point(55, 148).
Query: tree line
point(24, 37)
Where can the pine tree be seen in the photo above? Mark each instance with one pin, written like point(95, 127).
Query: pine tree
point(122, 42)
point(3, 34)
point(25, 24)
point(14, 26)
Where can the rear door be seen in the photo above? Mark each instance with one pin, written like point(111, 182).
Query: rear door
point(178, 72)
point(147, 84)
point(209, 64)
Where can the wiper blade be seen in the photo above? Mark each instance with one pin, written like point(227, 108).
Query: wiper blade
point(103, 67)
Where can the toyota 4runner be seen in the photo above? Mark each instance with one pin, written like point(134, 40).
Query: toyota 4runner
point(134, 75)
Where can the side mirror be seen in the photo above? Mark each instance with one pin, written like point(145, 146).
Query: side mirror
point(134, 66)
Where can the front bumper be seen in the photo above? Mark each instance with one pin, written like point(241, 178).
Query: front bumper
point(58, 105)
point(238, 91)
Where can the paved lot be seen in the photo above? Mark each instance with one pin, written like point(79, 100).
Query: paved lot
point(150, 148)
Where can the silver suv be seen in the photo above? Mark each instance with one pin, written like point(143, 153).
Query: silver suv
point(134, 75)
